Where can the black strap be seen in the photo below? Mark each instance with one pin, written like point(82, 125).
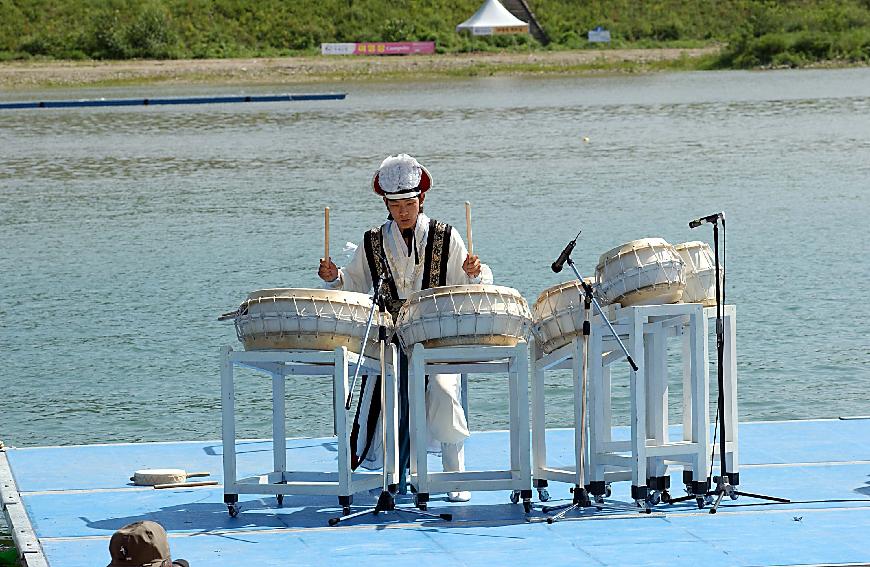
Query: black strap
point(437, 254)
point(374, 247)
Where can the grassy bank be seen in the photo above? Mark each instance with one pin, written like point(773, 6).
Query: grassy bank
point(309, 69)
point(757, 32)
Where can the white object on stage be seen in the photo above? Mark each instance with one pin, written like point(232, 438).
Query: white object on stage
point(642, 272)
point(464, 315)
point(700, 271)
point(307, 319)
point(558, 314)
point(151, 477)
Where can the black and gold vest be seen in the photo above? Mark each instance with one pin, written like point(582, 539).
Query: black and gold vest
point(434, 267)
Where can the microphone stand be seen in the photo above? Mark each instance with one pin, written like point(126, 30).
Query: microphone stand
point(723, 486)
point(581, 499)
point(387, 499)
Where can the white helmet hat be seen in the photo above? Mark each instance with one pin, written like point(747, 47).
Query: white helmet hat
point(401, 177)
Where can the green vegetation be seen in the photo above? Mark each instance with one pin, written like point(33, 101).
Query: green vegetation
point(8, 553)
point(756, 32)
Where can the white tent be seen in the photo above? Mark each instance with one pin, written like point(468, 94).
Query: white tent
point(493, 18)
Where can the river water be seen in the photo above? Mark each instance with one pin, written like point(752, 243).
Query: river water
point(126, 232)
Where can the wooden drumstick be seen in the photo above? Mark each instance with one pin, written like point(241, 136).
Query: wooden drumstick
point(468, 228)
point(326, 233)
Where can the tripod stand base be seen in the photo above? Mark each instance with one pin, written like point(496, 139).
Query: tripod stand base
point(386, 503)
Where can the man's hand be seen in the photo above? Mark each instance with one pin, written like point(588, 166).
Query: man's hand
point(328, 271)
point(471, 266)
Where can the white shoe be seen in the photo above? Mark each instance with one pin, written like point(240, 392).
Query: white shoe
point(462, 496)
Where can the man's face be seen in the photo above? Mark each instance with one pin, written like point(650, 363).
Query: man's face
point(404, 211)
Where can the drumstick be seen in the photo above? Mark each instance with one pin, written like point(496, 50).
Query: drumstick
point(468, 228)
point(186, 484)
point(326, 233)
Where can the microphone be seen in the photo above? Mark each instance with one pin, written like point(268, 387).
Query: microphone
point(711, 219)
point(563, 257)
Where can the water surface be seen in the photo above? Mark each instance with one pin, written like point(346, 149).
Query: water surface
point(126, 232)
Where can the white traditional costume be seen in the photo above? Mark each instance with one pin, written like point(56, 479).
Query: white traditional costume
point(433, 257)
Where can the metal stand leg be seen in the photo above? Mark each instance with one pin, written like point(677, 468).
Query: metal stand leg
point(389, 378)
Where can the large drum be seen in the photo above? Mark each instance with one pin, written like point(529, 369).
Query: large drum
point(464, 315)
point(642, 272)
point(307, 319)
point(558, 314)
point(700, 272)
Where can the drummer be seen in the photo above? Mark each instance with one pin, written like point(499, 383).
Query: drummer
point(421, 253)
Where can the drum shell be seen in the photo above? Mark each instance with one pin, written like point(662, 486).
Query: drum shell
point(642, 272)
point(464, 315)
point(558, 314)
point(700, 269)
point(308, 319)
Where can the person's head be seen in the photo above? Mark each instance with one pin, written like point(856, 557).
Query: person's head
point(403, 183)
point(142, 544)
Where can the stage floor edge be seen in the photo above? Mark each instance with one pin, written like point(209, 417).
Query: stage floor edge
point(63, 504)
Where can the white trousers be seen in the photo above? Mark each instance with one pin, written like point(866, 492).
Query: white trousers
point(444, 414)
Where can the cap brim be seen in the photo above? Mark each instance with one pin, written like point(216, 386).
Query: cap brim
point(425, 183)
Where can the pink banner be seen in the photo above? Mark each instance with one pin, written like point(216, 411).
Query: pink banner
point(395, 48)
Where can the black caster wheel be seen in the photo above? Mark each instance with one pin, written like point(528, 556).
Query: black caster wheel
point(419, 504)
point(653, 499)
point(543, 495)
point(515, 496)
point(701, 502)
point(733, 495)
point(666, 497)
point(527, 506)
point(345, 510)
point(280, 499)
point(607, 491)
point(599, 499)
point(233, 510)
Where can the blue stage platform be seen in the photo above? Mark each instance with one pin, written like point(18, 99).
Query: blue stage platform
point(76, 497)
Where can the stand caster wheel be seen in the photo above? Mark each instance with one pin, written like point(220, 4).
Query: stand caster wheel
point(653, 499)
point(666, 497)
point(280, 499)
point(515, 496)
point(644, 505)
point(345, 510)
point(233, 510)
point(419, 504)
point(543, 495)
point(733, 495)
point(702, 501)
point(607, 491)
point(527, 505)
point(599, 499)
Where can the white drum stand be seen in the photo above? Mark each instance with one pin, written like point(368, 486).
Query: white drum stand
point(280, 364)
point(471, 360)
point(645, 458)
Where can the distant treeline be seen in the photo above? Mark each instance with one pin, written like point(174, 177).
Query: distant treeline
point(756, 32)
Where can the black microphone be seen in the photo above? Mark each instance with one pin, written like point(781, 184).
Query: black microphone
point(711, 219)
point(563, 257)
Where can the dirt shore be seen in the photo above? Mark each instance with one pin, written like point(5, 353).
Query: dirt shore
point(36, 74)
